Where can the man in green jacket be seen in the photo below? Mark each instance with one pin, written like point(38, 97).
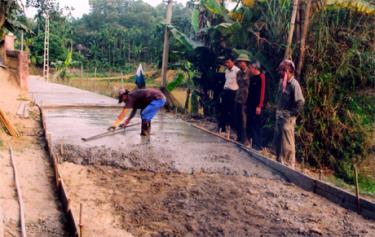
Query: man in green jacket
point(243, 81)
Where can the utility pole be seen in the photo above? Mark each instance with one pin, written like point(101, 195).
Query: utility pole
point(46, 49)
point(164, 67)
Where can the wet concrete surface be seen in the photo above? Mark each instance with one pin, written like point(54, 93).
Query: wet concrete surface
point(174, 146)
point(46, 94)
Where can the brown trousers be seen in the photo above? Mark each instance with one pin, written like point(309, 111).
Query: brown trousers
point(284, 140)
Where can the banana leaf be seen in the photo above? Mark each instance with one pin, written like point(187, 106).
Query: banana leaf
point(176, 82)
point(213, 6)
point(195, 20)
point(188, 44)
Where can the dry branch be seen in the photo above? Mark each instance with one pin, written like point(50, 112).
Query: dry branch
point(20, 200)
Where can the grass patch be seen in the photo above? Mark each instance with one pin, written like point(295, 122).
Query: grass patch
point(366, 184)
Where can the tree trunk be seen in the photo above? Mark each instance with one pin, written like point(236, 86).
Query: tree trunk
point(2, 15)
point(288, 51)
point(187, 101)
point(129, 49)
point(2, 20)
point(304, 36)
point(298, 24)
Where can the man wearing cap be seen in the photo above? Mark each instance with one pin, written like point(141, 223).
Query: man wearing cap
point(255, 104)
point(148, 100)
point(289, 104)
point(228, 94)
point(241, 98)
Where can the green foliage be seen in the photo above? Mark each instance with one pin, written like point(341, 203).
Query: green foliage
point(176, 82)
point(366, 184)
point(195, 20)
point(57, 49)
point(213, 6)
point(336, 126)
point(11, 17)
point(358, 5)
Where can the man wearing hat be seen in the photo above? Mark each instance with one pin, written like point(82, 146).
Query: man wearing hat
point(243, 81)
point(148, 100)
point(289, 104)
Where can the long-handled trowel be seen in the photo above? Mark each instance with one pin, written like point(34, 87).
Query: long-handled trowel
point(117, 130)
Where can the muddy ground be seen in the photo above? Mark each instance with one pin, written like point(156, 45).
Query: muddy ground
point(173, 204)
point(43, 212)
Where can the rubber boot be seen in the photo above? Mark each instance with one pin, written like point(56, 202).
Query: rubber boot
point(144, 128)
point(148, 128)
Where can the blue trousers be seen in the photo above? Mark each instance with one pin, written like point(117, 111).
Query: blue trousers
point(151, 110)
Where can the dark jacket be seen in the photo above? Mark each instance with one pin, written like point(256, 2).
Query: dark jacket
point(291, 101)
point(257, 91)
point(243, 80)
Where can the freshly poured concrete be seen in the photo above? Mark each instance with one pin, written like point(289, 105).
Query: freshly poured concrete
point(173, 144)
point(48, 94)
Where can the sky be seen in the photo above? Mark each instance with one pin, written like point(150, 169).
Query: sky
point(82, 6)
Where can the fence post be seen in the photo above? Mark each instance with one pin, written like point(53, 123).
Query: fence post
point(357, 188)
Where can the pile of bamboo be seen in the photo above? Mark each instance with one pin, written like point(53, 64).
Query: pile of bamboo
point(7, 125)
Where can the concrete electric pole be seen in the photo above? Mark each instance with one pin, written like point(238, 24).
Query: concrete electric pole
point(46, 49)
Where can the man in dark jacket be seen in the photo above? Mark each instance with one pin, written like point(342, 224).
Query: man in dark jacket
point(241, 98)
point(148, 100)
point(255, 104)
point(290, 102)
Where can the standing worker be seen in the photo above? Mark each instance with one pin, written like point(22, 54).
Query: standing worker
point(255, 105)
point(243, 80)
point(289, 104)
point(228, 94)
point(148, 100)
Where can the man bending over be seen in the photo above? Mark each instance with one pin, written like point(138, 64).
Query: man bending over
point(148, 100)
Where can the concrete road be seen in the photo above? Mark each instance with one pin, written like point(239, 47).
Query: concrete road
point(173, 145)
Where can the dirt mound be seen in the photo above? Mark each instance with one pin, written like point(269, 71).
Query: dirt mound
point(142, 157)
point(136, 159)
point(161, 204)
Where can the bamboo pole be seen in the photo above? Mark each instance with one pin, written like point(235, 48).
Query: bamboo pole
point(306, 24)
point(80, 220)
point(288, 51)
point(1, 223)
point(164, 67)
point(357, 188)
point(19, 193)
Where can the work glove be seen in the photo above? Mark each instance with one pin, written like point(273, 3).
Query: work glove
point(111, 128)
point(124, 124)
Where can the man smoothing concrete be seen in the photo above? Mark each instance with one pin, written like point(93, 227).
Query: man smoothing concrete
point(290, 103)
point(148, 100)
